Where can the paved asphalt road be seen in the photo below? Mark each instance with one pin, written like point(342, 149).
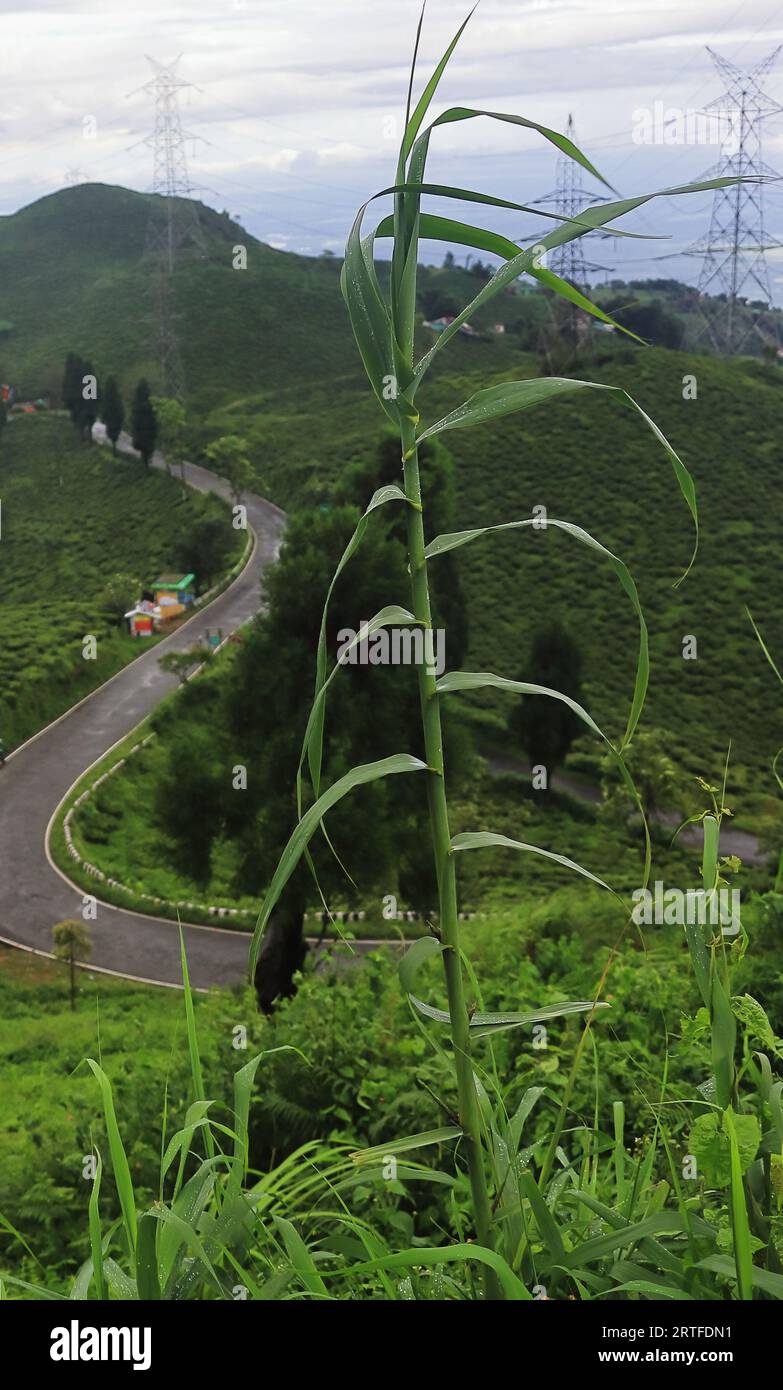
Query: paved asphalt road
point(33, 895)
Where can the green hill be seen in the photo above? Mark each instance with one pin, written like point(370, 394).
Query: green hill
point(269, 355)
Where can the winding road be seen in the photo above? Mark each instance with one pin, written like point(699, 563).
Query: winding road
point(33, 893)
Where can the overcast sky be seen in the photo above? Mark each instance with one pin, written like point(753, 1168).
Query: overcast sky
point(297, 103)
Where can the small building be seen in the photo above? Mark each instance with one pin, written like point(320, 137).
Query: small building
point(141, 619)
point(173, 594)
point(440, 325)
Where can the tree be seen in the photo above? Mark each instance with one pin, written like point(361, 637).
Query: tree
point(86, 409)
point(72, 384)
point(71, 939)
point(656, 777)
point(170, 415)
point(544, 727)
point(191, 792)
point(206, 548)
point(144, 423)
point(438, 303)
point(120, 592)
point(112, 411)
point(182, 664)
point(649, 320)
point(377, 834)
point(229, 455)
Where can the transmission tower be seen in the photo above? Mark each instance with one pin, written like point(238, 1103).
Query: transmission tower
point(569, 198)
point(733, 251)
point(179, 223)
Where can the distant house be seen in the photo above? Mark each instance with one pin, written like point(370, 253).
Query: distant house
point(168, 597)
point(141, 619)
point(173, 594)
point(439, 325)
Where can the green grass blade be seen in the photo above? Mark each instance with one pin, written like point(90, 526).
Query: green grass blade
point(512, 396)
point(313, 746)
point(743, 1255)
point(119, 1161)
point(414, 124)
point(423, 949)
point(193, 1049)
point(94, 1221)
point(763, 645)
point(442, 544)
point(369, 315)
point(618, 1151)
point(762, 1279)
point(401, 1146)
point(660, 1223)
point(561, 142)
point(485, 839)
point(572, 295)
point(303, 832)
point(589, 220)
point(548, 1228)
point(147, 1280)
point(482, 1025)
point(441, 228)
point(513, 1287)
point(300, 1258)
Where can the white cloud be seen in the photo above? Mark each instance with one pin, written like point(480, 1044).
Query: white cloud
point(297, 100)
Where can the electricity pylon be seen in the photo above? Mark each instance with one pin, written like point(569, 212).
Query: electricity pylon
point(733, 250)
point(179, 224)
point(568, 198)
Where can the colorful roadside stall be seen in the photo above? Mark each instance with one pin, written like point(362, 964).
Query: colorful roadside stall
point(141, 619)
point(173, 594)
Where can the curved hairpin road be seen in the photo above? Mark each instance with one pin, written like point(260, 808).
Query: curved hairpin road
point(33, 893)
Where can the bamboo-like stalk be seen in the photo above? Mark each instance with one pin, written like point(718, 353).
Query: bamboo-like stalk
point(444, 862)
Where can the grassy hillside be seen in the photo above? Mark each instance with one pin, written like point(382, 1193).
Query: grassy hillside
point(269, 355)
point(343, 1060)
point(591, 462)
point(74, 516)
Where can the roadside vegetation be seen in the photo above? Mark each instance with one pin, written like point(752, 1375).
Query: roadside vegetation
point(82, 532)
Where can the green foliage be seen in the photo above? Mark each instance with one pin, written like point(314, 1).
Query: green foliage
point(87, 404)
point(183, 664)
point(171, 422)
point(344, 1070)
point(121, 591)
point(65, 510)
point(547, 728)
point(229, 456)
point(112, 411)
point(144, 424)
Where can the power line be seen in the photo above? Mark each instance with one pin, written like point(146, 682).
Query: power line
point(167, 235)
point(569, 198)
point(734, 249)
